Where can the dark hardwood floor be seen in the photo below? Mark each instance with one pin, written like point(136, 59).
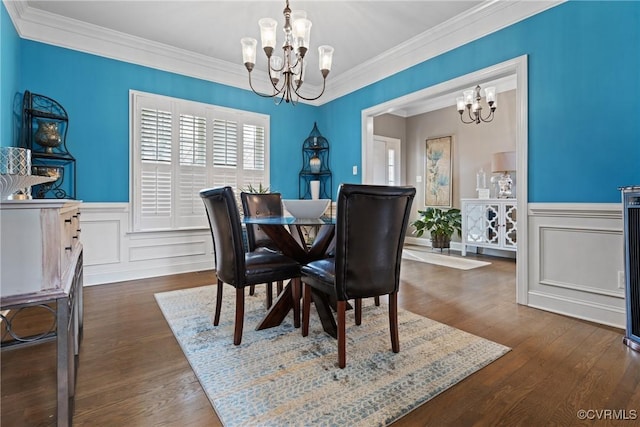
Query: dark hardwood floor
point(133, 373)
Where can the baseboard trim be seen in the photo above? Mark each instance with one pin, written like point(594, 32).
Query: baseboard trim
point(102, 278)
point(585, 310)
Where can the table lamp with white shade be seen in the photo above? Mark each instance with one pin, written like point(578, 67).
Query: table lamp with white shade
point(504, 162)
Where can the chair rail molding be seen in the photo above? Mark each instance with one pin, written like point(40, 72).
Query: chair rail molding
point(112, 254)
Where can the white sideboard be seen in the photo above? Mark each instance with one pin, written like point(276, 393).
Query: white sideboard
point(489, 223)
point(41, 263)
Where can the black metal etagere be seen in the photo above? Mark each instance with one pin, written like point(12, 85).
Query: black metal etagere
point(44, 132)
point(315, 165)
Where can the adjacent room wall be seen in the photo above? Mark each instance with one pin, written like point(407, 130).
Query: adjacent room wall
point(473, 145)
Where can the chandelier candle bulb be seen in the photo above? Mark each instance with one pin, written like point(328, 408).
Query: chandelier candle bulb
point(302, 33)
point(490, 95)
point(468, 97)
point(249, 52)
point(268, 28)
point(326, 56)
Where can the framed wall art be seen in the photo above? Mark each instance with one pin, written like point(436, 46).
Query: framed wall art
point(438, 164)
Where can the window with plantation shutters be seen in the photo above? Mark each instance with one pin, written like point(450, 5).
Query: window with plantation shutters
point(180, 147)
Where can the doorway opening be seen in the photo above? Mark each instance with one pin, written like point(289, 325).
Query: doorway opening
point(516, 69)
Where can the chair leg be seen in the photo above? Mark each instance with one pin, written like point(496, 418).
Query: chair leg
point(342, 332)
point(279, 287)
point(269, 294)
point(358, 311)
point(295, 293)
point(377, 301)
point(306, 308)
point(237, 334)
point(393, 321)
point(252, 290)
point(216, 317)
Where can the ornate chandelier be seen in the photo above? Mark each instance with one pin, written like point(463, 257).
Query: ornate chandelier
point(471, 99)
point(286, 75)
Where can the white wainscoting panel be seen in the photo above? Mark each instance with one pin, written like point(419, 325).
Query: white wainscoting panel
point(113, 254)
point(575, 254)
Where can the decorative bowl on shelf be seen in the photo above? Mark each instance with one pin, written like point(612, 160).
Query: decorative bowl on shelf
point(10, 183)
point(306, 208)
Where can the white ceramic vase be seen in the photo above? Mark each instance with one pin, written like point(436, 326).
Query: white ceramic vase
point(314, 188)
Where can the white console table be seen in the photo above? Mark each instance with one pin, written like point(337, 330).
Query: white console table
point(489, 223)
point(41, 265)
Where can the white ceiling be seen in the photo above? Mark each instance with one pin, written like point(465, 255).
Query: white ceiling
point(372, 39)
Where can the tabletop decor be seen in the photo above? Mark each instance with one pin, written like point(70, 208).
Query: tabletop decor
point(15, 161)
point(277, 377)
point(305, 208)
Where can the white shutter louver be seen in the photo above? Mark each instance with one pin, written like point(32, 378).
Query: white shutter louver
point(225, 143)
point(253, 147)
point(156, 175)
point(192, 171)
point(155, 135)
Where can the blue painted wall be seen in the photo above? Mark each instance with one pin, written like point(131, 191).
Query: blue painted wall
point(9, 80)
point(95, 92)
point(584, 87)
point(584, 83)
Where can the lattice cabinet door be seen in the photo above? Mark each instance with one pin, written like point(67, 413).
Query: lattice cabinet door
point(489, 223)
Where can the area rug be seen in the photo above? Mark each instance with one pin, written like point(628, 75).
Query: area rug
point(276, 377)
point(425, 255)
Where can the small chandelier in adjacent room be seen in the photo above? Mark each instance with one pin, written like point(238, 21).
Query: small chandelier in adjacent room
point(286, 74)
point(471, 100)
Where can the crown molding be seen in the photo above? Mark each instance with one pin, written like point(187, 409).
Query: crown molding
point(37, 25)
point(487, 18)
point(34, 24)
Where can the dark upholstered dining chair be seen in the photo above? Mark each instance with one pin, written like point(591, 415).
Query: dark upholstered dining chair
point(371, 224)
point(261, 205)
point(233, 265)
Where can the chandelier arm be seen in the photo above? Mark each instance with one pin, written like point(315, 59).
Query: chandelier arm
point(463, 120)
point(274, 85)
point(264, 95)
point(324, 81)
point(489, 117)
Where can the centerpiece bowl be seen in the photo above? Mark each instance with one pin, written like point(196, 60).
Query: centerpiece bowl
point(306, 208)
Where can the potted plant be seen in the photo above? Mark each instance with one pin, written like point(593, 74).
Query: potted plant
point(440, 223)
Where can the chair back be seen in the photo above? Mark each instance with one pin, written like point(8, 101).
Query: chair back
point(260, 205)
point(226, 230)
point(370, 229)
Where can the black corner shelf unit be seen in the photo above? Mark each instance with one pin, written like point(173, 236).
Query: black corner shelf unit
point(315, 165)
point(44, 131)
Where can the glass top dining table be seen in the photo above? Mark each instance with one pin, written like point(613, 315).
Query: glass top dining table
point(289, 220)
point(288, 234)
